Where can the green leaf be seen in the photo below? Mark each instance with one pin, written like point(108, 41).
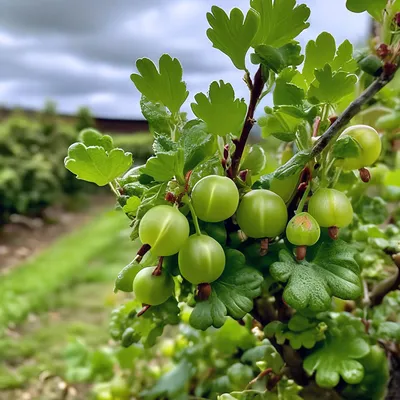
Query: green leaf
point(197, 143)
point(280, 125)
point(232, 336)
point(232, 35)
point(318, 53)
point(267, 353)
point(280, 21)
point(164, 86)
point(157, 116)
point(329, 87)
point(172, 384)
point(279, 59)
point(94, 164)
point(372, 210)
point(294, 165)
point(164, 144)
point(92, 137)
point(164, 166)
point(221, 112)
point(287, 93)
point(322, 51)
point(344, 60)
point(392, 178)
point(210, 166)
point(389, 330)
point(311, 285)
point(131, 206)
point(374, 7)
point(339, 354)
point(346, 147)
point(232, 294)
point(300, 332)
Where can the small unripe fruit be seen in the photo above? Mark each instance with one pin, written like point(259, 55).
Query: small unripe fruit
point(215, 198)
point(151, 289)
point(330, 208)
point(165, 229)
point(201, 259)
point(262, 214)
point(370, 146)
point(303, 230)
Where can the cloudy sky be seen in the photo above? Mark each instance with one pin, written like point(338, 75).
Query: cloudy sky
point(82, 52)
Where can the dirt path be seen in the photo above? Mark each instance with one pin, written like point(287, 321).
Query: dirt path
point(24, 237)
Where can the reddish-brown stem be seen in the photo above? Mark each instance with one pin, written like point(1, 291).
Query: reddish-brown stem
point(158, 270)
point(264, 247)
point(203, 291)
point(261, 375)
point(316, 125)
point(256, 91)
point(301, 252)
point(143, 310)
point(141, 252)
point(333, 232)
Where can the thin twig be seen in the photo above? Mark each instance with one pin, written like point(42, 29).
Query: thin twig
point(388, 285)
point(353, 109)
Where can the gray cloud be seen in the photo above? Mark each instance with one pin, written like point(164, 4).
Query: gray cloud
point(82, 52)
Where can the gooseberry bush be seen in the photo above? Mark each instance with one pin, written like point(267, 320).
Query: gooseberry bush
point(279, 263)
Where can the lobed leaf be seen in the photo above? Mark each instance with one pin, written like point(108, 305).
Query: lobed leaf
point(222, 113)
point(331, 87)
point(232, 294)
point(163, 86)
point(280, 21)
point(232, 34)
point(311, 285)
point(95, 164)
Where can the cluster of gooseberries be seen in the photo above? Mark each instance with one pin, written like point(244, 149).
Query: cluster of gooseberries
point(258, 214)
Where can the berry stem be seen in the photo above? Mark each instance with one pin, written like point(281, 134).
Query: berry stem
point(194, 217)
point(303, 199)
point(141, 252)
point(143, 310)
point(158, 270)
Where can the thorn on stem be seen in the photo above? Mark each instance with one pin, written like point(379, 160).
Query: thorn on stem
point(143, 310)
point(264, 247)
point(365, 175)
point(333, 232)
point(203, 291)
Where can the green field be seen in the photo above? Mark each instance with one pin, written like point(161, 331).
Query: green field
point(64, 293)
